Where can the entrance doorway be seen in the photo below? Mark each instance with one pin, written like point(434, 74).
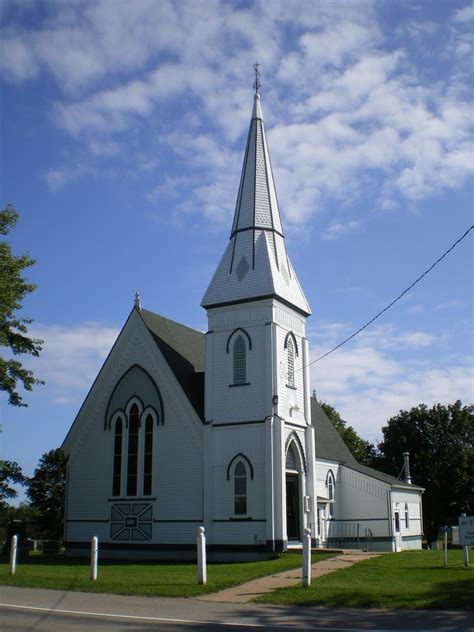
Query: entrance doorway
point(293, 525)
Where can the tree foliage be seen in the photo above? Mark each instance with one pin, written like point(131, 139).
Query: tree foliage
point(46, 490)
point(10, 473)
point(13, 328)
point(361, 449)
point(440, 441)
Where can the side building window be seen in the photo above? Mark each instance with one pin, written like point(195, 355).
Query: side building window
point(407, 517)
point(240, 489)
point(331, 486)
point(240, 361)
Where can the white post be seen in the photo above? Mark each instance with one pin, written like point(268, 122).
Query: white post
point(94, 556)
point(307, 557)
point(201, 555)
point(466, 549)
point(445, 546)
point(13, 550)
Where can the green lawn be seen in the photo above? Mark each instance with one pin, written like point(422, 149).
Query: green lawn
point(141, 578)
point(412, 579)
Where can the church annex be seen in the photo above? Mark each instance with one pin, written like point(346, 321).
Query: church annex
point(183, 429)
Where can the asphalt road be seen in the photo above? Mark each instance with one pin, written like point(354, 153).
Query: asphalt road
point(24, 609)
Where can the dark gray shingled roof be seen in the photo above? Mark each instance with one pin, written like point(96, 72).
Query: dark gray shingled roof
point(183, 349)
point(330, 446)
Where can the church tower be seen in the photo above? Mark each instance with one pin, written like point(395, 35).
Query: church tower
point(258, 438)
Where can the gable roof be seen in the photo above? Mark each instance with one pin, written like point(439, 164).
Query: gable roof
point(183, 350)
point(330, 446)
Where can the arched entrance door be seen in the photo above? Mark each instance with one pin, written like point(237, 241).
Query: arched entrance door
point(293, 505)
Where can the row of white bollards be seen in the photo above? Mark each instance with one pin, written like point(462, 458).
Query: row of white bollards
point(201, 557)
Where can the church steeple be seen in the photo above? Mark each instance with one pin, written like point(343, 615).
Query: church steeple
point(255, 264)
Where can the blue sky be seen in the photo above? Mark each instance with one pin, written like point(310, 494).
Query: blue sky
point(123, 127)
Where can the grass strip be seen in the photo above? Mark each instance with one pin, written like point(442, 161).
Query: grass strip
point(411, 579)
point(141, 578)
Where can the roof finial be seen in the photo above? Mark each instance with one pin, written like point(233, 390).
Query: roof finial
point(137, 302)
point(257, 83)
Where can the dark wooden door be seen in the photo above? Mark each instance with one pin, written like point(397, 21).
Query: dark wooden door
point(292, 507)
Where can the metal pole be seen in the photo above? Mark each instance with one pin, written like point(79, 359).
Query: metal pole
point(201, 556)
point(13, 551)
point(94, 556)
point(445, 546)
point(307, 557)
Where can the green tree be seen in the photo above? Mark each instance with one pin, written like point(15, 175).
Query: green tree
point(46, 490)
point(26, 515)
point(13, 328)
point(440, 441)
point(361, 449)
point(10, 473)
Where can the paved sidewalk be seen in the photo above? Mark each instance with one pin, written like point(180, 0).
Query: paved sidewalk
point(246, 592)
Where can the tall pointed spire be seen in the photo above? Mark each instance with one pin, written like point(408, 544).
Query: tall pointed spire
point(255, 264)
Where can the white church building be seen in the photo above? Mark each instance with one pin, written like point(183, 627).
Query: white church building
point(183, 429)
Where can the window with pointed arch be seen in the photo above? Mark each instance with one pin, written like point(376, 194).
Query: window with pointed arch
point(117, 471)
point(133, 451)
point(331, 487)
point(240, 361)
point(290, 349)
point(240, 489)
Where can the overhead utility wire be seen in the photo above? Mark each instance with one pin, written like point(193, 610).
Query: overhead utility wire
point(393, 302)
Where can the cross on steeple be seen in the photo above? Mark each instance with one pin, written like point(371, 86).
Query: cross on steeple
point(256, 83)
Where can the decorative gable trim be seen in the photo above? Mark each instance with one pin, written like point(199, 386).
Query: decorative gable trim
point(160, 412)
point(297, 441)
point(249, 340)
point(244, 458)
point(290, 334)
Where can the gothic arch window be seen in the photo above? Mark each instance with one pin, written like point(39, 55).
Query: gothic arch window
point(148, 455)
point(291, 362)
point(240, 361)
point(291, 347)
point(117, 462)
point(132, 451)
point(331, 485)
point(240, 489)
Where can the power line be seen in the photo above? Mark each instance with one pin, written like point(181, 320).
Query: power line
point(393, 302)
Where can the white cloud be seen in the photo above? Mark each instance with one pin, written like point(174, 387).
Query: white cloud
point(369, 380)
point(465, 14)
point(71, 358)
point(338, 229)
point(346, 109)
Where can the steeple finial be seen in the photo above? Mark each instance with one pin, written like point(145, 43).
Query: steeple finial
point(256, 83)
point(137, 302)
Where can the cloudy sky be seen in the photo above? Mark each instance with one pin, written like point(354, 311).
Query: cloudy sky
point(123, 127)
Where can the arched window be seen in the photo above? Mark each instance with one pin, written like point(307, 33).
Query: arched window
point(116, 479)
point(148, 456)
point(132, 457)
point(407, 517)
point(240, 361)
point(291, 463)
point(240, 489)
point(291, 362)
point(330, 485)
